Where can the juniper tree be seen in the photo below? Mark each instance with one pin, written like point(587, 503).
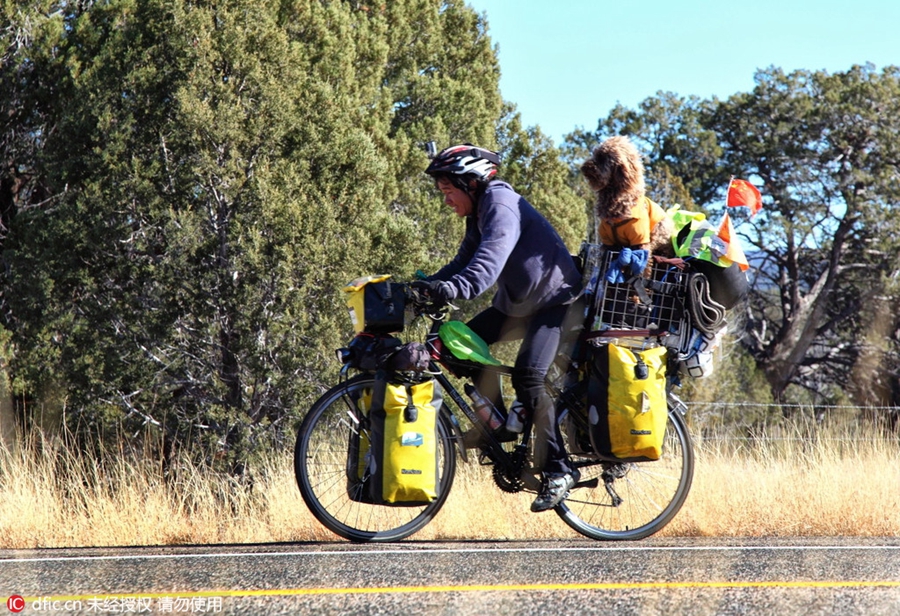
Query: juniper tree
point(222, 170)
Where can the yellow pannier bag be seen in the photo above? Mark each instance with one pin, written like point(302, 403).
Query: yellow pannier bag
point(403, 423)
point(627, 409)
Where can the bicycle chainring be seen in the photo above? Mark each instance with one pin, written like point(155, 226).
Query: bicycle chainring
point(506, 483)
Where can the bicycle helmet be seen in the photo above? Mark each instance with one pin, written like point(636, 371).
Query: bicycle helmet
point(465, 160)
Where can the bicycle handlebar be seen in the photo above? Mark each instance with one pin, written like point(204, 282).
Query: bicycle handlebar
point(424, 305)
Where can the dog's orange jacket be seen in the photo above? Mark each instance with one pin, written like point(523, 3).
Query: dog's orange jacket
point(634, 230)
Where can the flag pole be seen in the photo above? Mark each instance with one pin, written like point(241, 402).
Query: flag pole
point(728, 191)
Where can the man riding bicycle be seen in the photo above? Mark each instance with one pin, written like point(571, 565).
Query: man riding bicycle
point(509, 243)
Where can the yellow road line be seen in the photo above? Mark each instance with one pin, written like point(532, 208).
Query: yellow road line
point(293, 592)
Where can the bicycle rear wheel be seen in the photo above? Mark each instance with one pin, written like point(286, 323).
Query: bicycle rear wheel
point(320, 466)
point(633, 500)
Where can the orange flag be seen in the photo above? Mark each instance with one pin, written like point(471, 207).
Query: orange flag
point(743, 193)
point(734, 252)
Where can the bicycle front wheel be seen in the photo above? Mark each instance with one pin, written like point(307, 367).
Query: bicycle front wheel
point(320, 466)
point(632, 501)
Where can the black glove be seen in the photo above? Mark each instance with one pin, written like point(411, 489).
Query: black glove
point(436, 290)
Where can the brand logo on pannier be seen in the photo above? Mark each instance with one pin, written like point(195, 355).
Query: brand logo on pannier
point(412, 439)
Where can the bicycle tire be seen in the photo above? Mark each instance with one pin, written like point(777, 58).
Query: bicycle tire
point(651, 493)
point(320, 467)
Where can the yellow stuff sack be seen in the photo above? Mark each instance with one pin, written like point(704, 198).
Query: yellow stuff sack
point(403, 434)
point(627, 410)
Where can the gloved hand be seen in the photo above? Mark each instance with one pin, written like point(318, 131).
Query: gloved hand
point(436, 290)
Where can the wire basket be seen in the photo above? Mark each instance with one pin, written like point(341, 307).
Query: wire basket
point(652, 305)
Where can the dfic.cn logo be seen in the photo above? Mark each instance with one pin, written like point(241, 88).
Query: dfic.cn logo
point(15, 603)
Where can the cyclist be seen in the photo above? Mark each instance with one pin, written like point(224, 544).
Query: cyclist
point(509, 243)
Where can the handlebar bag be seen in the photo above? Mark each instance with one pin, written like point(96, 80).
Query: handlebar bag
point(627, 409)
point(376, 305)
point(402, 466)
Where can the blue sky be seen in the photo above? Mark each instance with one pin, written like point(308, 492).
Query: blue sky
point(566, 63)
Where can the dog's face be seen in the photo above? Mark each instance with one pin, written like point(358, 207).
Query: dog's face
point(615, 173)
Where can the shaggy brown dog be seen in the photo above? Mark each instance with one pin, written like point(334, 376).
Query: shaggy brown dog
point(627, 217)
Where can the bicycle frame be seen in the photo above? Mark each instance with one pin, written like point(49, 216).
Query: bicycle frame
point(511, 465)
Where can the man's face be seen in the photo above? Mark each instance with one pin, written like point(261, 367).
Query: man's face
point(456, 198)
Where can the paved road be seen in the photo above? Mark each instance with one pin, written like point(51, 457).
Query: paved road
point(664, 576)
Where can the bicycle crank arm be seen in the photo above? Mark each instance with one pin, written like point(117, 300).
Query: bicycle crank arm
point(587, 483)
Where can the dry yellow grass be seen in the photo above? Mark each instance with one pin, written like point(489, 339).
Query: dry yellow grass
point(836, 485)
point(829, 487)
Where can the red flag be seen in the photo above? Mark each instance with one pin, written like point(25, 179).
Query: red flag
point(743, 193)
point(734, 252)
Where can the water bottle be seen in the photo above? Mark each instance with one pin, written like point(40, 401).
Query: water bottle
point(515, 421)
point(484, 409)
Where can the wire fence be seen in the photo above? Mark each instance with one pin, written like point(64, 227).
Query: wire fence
point(779, 407)
point(756, 425)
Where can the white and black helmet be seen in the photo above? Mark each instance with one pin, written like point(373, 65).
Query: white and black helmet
point(465, 160)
